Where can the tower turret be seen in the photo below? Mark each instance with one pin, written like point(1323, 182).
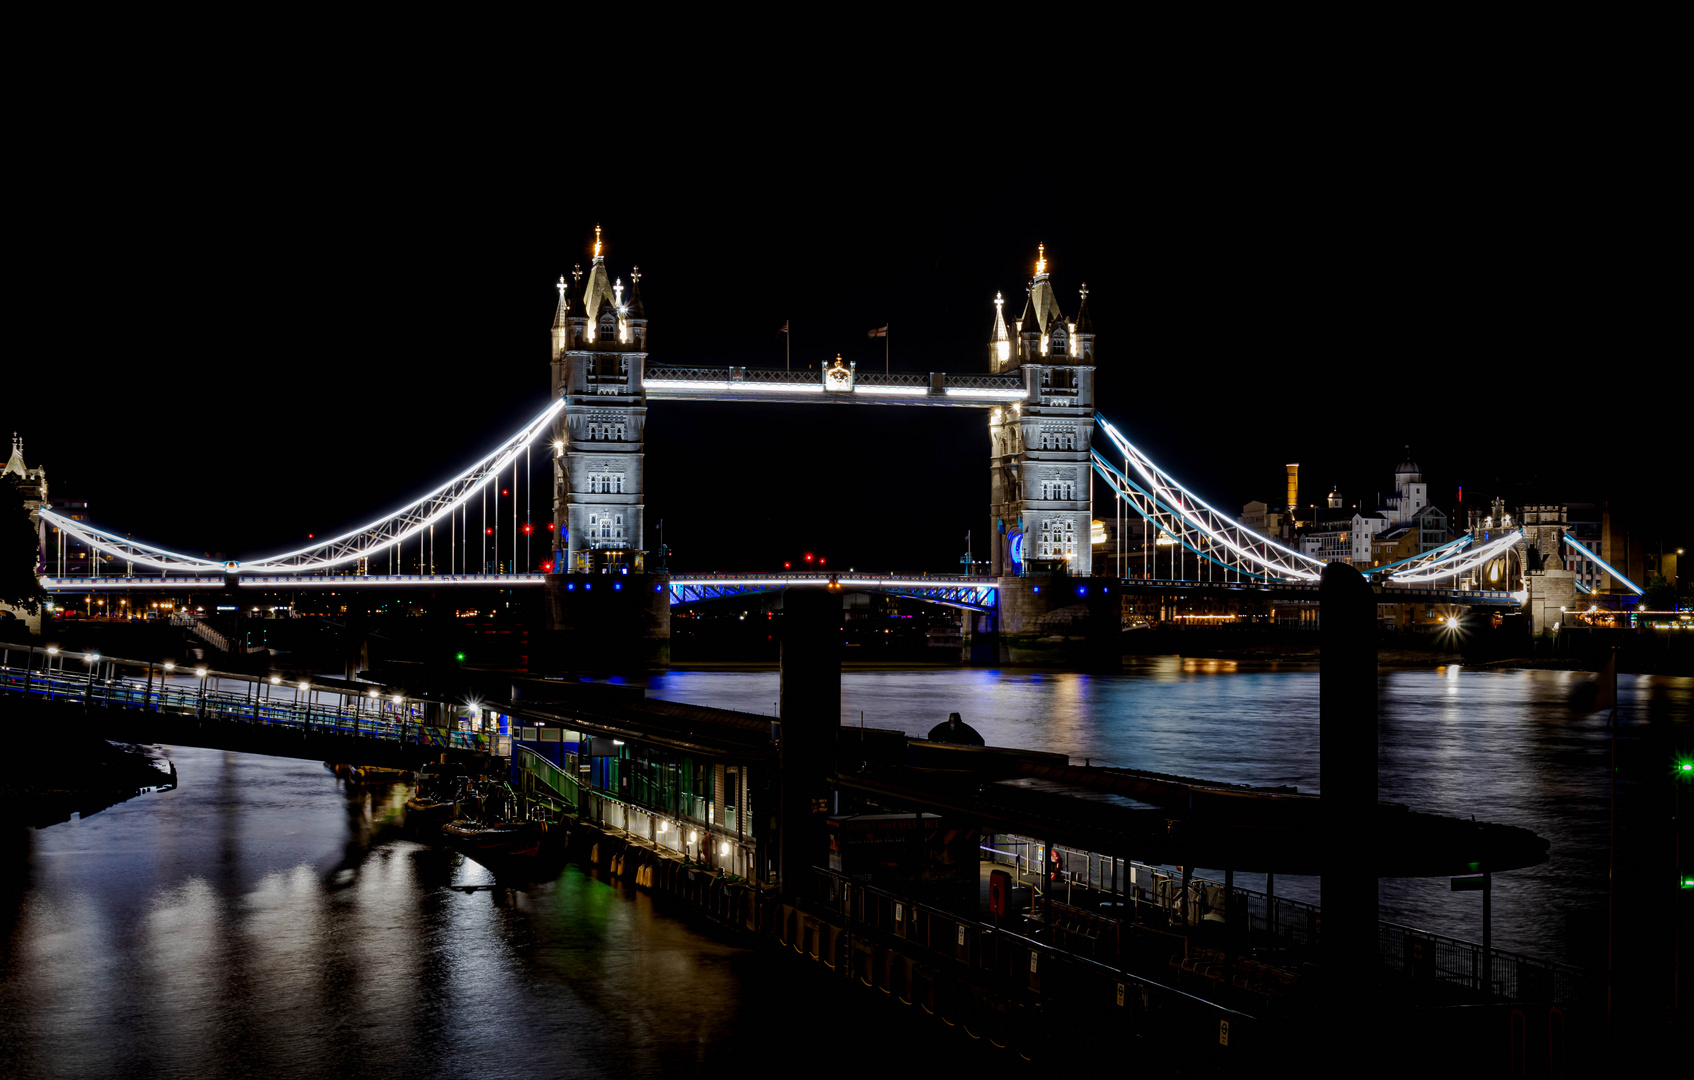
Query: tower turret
point(635, 313)
point(1029, 328)
point(561, 323)
point(999, 340)
point(576, 317)
point(1083, 330)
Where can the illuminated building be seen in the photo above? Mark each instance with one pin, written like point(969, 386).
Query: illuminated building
point(599, 352)
point(1039, 465)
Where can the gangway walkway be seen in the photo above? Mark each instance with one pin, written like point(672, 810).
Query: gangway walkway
point(323, 711)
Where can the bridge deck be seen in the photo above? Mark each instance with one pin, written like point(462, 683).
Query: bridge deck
point(965, 590)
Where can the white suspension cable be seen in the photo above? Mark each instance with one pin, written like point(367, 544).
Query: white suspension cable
point(390, 532)
point(414, 518)
point(1177, 510)
point(1457, 565)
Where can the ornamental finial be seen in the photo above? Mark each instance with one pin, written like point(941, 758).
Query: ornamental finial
point(596, 243)
point(1040, 258)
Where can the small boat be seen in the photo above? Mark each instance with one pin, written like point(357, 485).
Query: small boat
point(505, 847)
point(438, 797)
point(368, 774)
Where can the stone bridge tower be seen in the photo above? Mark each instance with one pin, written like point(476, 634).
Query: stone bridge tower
point(604, 613)
point(1039, 447)
point(599, 350)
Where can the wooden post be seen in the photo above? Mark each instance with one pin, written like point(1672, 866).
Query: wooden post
point(1347, 715)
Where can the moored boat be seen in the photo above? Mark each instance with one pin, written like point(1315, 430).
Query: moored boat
point(438, 798)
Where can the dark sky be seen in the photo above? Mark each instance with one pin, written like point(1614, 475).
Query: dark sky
point(234, 341)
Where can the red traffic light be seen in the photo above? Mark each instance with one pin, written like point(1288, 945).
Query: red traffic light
point(547, 567)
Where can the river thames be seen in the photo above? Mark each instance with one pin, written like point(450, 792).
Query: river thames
point(263, 920)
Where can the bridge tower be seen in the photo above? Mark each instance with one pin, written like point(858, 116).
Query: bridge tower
point(599, 350)
point(605, 614)
point(1038, 447)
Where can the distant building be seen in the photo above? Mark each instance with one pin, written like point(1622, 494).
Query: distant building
point(1411, 494)
point(1261, 518)
point(1406, 522)
point(1393, 545)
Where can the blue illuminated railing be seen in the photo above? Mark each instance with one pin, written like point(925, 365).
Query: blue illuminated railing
point(383, 720)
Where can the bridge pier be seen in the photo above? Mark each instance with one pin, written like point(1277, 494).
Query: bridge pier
point(604, 624)
point(1550, 593)
point(1059, 621)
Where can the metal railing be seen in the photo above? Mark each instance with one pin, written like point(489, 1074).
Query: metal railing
point(556, 784)
point(1287, 927)
point(347, 714)
point(985, 382)
point(897, 378)
point(1020, 967)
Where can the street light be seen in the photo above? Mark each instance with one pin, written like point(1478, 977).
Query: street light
point(93, 661)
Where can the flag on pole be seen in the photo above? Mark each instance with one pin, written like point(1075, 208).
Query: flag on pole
point(881, 331)
point(784, 329)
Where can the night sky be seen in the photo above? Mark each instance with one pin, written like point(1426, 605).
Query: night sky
point(238, 346)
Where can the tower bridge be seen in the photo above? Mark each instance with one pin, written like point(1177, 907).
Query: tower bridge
point(1042, 427)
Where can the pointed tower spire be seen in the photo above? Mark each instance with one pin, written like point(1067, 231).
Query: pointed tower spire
point(599, 289)
point(564, 305)
point(999, 341)
point(1041, 298)
point(15, 464)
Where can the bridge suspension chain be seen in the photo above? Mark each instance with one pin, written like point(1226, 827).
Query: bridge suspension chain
point(1458, 561)
point(1190, 521)
point(396, 528)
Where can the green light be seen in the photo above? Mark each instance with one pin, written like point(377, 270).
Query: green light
point(461, 657)
point(1686, 766)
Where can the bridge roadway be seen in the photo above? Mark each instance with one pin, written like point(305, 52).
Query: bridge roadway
point(975, 592)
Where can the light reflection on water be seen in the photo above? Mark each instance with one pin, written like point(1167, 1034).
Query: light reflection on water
point(1501, 745)
point(260, 921)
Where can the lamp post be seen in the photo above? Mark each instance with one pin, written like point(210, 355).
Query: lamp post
point(201, 673)
point(305, 688)
point(92, 660)
point(47, 668)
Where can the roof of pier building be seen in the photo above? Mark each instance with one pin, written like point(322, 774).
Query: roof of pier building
point(1177, 820)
